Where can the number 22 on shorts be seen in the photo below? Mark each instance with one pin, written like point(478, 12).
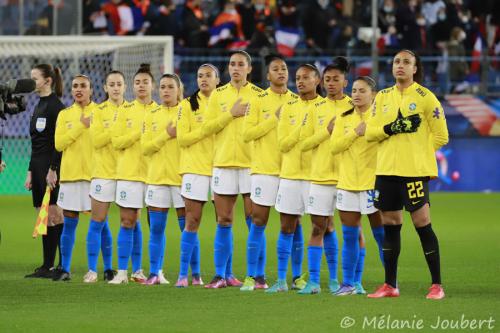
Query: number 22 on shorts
point(415, 189)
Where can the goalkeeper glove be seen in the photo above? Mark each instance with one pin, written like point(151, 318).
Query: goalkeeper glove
point(408, 124)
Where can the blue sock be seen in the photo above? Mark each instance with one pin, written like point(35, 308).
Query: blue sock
point(297, 251)
point(378, 234)
point(182, 222)
point(261, 266)
point(360, 265)
point(314, 254)
point(162, 251)
point(229, 266)
point(158, 221)
point(331, 246)
point(107, 246)
point(188, 241)
point(254, 248)
point(68, 241)
point(125, 242)
point(350, 253)
point(222, 249)
point(284, 249)
point(137, 248)
point(248, 221)
point(195, 258)
point(94, 244)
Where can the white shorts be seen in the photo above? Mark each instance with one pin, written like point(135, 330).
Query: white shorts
point(356, 201)
point(103, 190)
point(264, 189)
point(129, 194)
point(195, 187)
point(292, 196)
point(164, 196)
point(321, 200)
point(231, 181)
point(74, 196)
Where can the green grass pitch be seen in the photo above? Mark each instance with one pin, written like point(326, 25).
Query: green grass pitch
point(467, 226)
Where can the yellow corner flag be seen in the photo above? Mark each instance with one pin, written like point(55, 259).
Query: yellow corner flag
point(43, 216)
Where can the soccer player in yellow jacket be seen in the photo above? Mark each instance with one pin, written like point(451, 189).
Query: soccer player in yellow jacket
point(261, 131)
point(103, 183)
point(295, 170)
point(231, 173)
point(131, 172)
point(72, 138)
point(409, 124)
point(196, 158)
point(355, 189)
point(159, 145)
point(315, 137)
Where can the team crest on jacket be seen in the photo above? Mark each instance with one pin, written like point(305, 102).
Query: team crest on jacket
point(412, 106)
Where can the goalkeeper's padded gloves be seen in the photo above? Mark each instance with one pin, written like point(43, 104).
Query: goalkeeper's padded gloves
point(408, 124)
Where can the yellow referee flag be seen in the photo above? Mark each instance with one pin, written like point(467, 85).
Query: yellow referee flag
point(43, 216)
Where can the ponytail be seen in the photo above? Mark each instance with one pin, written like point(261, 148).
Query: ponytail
point(55, 74)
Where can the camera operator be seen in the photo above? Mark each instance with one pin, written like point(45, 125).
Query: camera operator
point(45, 161)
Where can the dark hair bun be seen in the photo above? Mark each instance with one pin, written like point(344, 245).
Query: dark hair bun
point(144, 68)
point(268, 59)
point(341, 63)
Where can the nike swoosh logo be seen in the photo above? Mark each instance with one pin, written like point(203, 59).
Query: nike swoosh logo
point(427, 253)
point(415, 202)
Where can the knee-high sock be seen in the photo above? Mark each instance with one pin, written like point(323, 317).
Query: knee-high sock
point(254, 248)
point(162, 251)
point(195, 257)
point(163, 246)
point(350, 253)
point(392, 247)
point(188, 242)
point(378, 234)
point(158, 221)
point(125, 243)
point(94, 243)
point(331, 245)
point(297, 251)
point(261, 265)
point(229, 265)
point(107, 246)
point(358, 276)
point(50, 245)
point(284, 249)
point(430, 245)
point(222, 249)
point(137, 248)
point(314, 254)
point(68, 241)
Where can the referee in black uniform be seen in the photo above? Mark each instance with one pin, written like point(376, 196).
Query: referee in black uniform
point(45, 161)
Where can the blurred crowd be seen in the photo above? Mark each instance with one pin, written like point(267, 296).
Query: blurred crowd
point(429, 26)
point(424, 25)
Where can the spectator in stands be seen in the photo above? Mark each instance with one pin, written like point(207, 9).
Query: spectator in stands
point(440, 31)
point(387, 15)
point(430, 10)
point(120, 17)
point(162, 18)
point(194, 31)
point(263, 23)
point(66, 18)
point(406, 25)
point(227, 27)
point(288, 15)
point(458, 67)
point(319, 22)
point(94, 20)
